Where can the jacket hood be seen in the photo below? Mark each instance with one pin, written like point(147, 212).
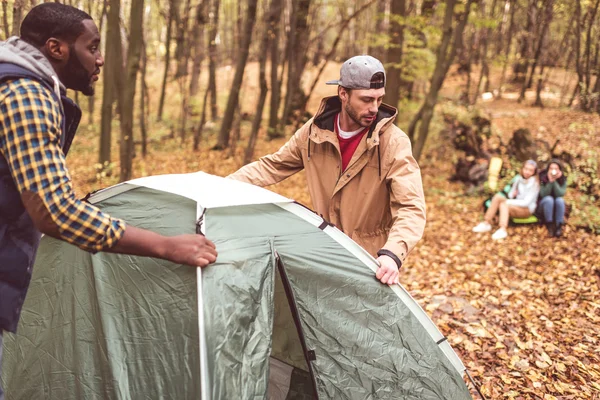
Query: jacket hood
point(557, 162)
point(17, 51)
point(331, 106)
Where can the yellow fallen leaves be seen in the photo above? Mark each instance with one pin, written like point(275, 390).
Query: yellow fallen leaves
point(523, 315)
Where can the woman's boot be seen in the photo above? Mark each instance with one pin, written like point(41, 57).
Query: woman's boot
point(558, 231)
point(550, 227)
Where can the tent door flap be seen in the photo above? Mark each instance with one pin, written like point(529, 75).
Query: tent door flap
point(309, 355)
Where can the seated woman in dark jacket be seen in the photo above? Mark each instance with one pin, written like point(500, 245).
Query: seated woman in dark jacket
point(552, 204)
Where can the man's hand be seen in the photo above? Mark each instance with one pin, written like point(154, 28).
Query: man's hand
point(194, 250)
point(388, 271)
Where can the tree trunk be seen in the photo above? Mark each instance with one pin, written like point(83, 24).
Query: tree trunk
point(329, 56)
point(508, 46)
point(468, 67)
point(547, 19)
point(113, 71)
point(184, 107)
point(136, 26)
point(182, 43)
point(596, 90)
point(92, 99)
point(273, 18)
point(527, 48)
point(212, 62)
point(144, 100)
point(5, 25)
point(445, 56)
point(538, 92)
point(587, 99)
point(296, 58)
point(237, 32)
point(578, 24)
point(163, 89)
point(17, 16)
point(235, 131)
point(394, 53)
point(485, 69)
point(378, 51)
point(198, 132)
point(236, 85)
point(273, 131)
point(198, 46)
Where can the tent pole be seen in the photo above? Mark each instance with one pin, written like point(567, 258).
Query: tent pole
point(204, 385)
point(204, 389)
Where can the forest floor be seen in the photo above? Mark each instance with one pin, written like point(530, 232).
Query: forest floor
point(522, 313)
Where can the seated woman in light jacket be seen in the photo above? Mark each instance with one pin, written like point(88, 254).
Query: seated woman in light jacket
point(521, 202)
point(552, 191)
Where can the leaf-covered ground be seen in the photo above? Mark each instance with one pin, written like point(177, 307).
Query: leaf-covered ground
point(523, 313)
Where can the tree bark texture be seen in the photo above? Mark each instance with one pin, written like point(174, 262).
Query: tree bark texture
point(197, 45)
point(273, 130)
point(382, 18)
point(297, 57)
point(113, 72)
point(546, 20)
point(163, 89)
point(394, 52)
point(232, 102)
point(5, 25)
point(144, 101)
point(136, 26)
point(212, 61)
point(17, 16)
point(272, 19)
point(509, 39)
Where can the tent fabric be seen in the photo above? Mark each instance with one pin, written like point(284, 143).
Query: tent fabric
point(367, 343)
point(105, 326)
point(122, 327)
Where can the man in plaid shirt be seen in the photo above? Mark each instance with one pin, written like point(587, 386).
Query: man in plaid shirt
point(58, 50)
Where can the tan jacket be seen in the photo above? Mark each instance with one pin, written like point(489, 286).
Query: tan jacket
point(378, 200)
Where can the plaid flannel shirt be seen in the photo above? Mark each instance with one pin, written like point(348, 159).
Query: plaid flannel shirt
point(30, 129)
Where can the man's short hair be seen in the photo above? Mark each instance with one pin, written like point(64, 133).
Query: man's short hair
point(52, 20)
point(348, 90)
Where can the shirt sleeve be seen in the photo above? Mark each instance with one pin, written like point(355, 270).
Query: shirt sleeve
point(407, 201)
point(30, 129)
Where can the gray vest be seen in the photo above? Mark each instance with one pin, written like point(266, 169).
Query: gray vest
point(19, 238)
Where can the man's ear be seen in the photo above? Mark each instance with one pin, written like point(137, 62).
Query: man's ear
point(342, 93)
point(57, 50)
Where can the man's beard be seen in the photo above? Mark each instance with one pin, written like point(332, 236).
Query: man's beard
point(78, 78)
point(355, 117)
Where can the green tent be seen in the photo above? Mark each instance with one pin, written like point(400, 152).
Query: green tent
point(290, 310)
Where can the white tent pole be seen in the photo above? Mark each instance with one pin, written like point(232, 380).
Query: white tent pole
point(204, 389)
point(204, 385)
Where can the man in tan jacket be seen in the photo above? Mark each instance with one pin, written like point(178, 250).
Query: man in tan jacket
point(361, 174)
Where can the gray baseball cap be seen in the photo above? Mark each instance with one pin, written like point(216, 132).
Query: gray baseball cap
point(361, 72)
